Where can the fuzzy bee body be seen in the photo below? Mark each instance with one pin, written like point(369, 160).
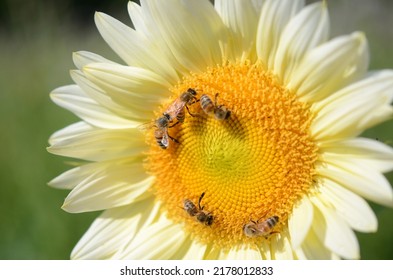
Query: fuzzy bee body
point(264, 228)
point(201, 215)
point(220, 112)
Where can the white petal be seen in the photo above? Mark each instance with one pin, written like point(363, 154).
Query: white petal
point(134, 49)
point(112, 229)
point(333, 231)
point(359, 178)
point(82, 58)
point(101, 97)
point(75, 100)
point(379, 82)
point(95, 144)
point(308, 29)
point(146, 26)
point(258, 5)
point(266, 251)
point(330, 66)
point(241, 19)
point(281, 248)
point(375, 153)
point(191, 30)
point(313, 249)
point(299, 254)
point(69, 131)
point(117, 185)
point(196, 251)
point(160, 240)
point(353, 109)
point(300, 221)
point(275, 15)
point(138, 19)
point(354, 209)
point(136, 88)
point(242, 253)
point(74, 176)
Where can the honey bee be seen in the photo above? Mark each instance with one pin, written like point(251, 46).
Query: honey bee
point(176, 109)
point(161, 133)
point(264, 228)
point(220, 111)
point(201, 215)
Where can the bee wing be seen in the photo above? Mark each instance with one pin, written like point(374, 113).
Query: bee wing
point(165, 140)
point(175, 108)
point(146, 126)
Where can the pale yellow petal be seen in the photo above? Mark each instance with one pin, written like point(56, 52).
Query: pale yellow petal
point(112, 229)
point(122, 39)
point(102, 98)
point(74, 176)
point(195, 251)
point(82, 141)
point(281, 247)
point(159, 240)
point(242, 19)
point(352, 208)
point(242, 253)
point(74, 99)
point(299, 222)
point(274, 17)
point(374, 153)
point(68, 132)
point(359, 178)
point(329, 67)
point(351, 110)
point(313, 249)
point(82, 58)
point(117, 185)
point(265, 251)
point(139, 89)
point(184, 29)
point(306, 30)
point(333, 231)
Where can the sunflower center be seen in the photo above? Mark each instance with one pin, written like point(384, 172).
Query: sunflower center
point(253, 165)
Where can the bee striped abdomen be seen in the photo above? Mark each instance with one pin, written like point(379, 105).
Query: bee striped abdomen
point(207, 104)
point(272, 221)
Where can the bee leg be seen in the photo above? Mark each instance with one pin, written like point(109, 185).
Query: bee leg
point(188, 110)
point(270, 234)
point(263, 215)
point(173, 124)
point(173, 139)
point(195, 101)
point(192, 114)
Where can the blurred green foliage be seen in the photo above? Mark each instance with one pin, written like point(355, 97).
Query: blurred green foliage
point(37, 39)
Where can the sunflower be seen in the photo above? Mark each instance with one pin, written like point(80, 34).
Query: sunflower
point(284, 175)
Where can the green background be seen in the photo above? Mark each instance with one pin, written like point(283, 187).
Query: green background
point(37, 39)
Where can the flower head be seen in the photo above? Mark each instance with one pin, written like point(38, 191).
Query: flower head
point(249, 146)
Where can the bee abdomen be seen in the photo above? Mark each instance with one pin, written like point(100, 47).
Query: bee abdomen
point(272, 221)
point(207, 104)
point(181, 116)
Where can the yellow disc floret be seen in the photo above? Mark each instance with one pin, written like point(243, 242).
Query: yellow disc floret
point(253, 165)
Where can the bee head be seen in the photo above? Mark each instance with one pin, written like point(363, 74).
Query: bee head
point(192, 91)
